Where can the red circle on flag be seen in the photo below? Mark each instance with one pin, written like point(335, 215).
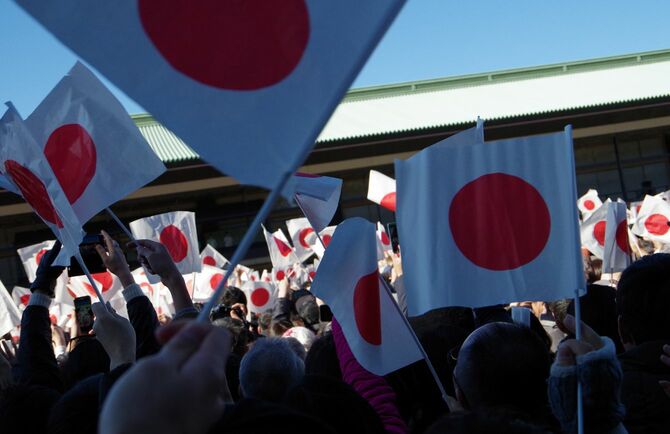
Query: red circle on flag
point(657, 224)
point(105, 279)
point(622, 236)
point(229, 44)
point(384, 238)
point(367, 309)
point(260, 296)
point(25, 298)
point(33, 191)
point(209, 261)
point(312, 274)
point(175, 242)
point(38, 256)
point(326, 240)
point(284, 249)
point(148, 287)
point(280, 275)
point(599, 232)
point(589, 204)
point(388, 201)
point(303, 235)
point(215, 280)
point(252, 277)
point(499, 221)
point(72, 156)
point(89, 289)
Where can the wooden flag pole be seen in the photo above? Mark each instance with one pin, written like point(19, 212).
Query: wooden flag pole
point(244, 245)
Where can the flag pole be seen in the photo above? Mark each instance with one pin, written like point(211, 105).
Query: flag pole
point(443, 392)
point(120, 224)
point(83, 266)
point(578, 335)
point(244, 245)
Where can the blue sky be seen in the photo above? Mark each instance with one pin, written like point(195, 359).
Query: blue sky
point(430, 39)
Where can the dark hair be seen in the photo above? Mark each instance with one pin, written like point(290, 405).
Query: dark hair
point(77, 411)
point(598, 310)
point(322, 357)
point(505, 366)
point(86, 359)
point(264, 321)
point(594, 270)
point(233, 295)
point(241, 336)
point(484, 423)
point(643, 297)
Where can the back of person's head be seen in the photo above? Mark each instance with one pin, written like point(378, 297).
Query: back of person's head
point(25, 409)
point(335, 403)
point(269, 370)
point(503, 365)
point(264, 323)
point(322, 357)
point(296, 346)
point(484, 423)
point(302, 334)
point(307, 309)
point(594, 270)
point(86, 359)
point(642, 300)
point(241, 337)
point(77, 411)
point(233, 295)
point(598, 310)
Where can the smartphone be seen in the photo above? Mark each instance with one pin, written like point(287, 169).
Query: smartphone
point(84, 314)
point(392, 230)
point(325, 314)
point(91, 258)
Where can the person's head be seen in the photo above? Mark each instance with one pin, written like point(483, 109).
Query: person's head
point(86, 359)
point(269, 370)
point(264, 323)
point(307, 309)
point(594, 270)
point(503, 366)
point(598, 310)
point(642, 300)
point(302, 334)
point(240, 334)
point(322, 357)
point(233, 295)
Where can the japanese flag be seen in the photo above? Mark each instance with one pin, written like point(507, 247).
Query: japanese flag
point(177, 232)
point(281, 252)
point(109, 285)
point(214, 71)
point(348, 281)
point(381, 190)
point(10, 316)
point(326, 235)
point(617, 244)
point(206, 282)
point(506, 218)
point(94, 148)
point(589, 203)
point(24, 164)
point(633, 210)
point(303, 236)
point(21, 297)
point(383, 241)
point(31, 257)
point(210, 256)
point(652, 219)
point(318, 197)
point(592, 231)
point(261, 296)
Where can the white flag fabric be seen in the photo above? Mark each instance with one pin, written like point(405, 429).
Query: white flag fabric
point(10, 316)
point(653, 218)
point(94, 148)
point(485, 223)
point(617, 244)
point(206, 281)
point(589, 203)
point(383, 241)
point(109, 286)
point(318, 197)
point(382, 190)
point(177, 232)
point(348, 281)
point(23, 163)
point(261, 296)
point(326, 235)
point(633, 210)
point(303, 237)
point(21, 297)
point(592, 231)
point(281, 252)
point(31, 257)
point(283, 65)
point(211, 256)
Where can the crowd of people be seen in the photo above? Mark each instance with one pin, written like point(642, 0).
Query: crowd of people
point(290, 369)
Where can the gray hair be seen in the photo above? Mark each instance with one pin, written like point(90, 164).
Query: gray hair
point(270, 369)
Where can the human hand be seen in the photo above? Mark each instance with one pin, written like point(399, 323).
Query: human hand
point(115, 334)
point(156, 259)
point(571, 348)
point(46, 274)
point(239, 307)
point(165, 392)
point(396, 271)
point(114, 260)
point(284, 288)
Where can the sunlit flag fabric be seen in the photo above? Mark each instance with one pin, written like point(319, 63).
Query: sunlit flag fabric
point(21, 297)
point(318, 197)
point(303, 236)
point(109, 285)
point(211, 256)
point(617, 245)
point(261, 296)
point(283, 65)
point(592, 231)
point(486, 223)
point(31, 256)
point(10, 316)
point(653, 218)
point(589, 203)
point(206, 281)
point(93, 146)
point(281, 252)
point(383, 240)
point(348, 281)
point(23, 163)
point(382, 190)
point(326, 235)
point(177, 232)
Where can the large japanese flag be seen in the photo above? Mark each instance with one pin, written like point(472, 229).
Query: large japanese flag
point(281, 252)
point(653, 218)
point(486, 223)
point(592, 231)
point(348, 281)
point(10, 316)
point(177, 232)
point(231, 78)
point(211, 256)
point(94, 148)
point(617, 243)
point(23, 163)
point(318, 197)
point(381, 190)
point(261, 296)
point(303, 236)
point(589, 203)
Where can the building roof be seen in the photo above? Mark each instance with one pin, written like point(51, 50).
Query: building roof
point(444, 102)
